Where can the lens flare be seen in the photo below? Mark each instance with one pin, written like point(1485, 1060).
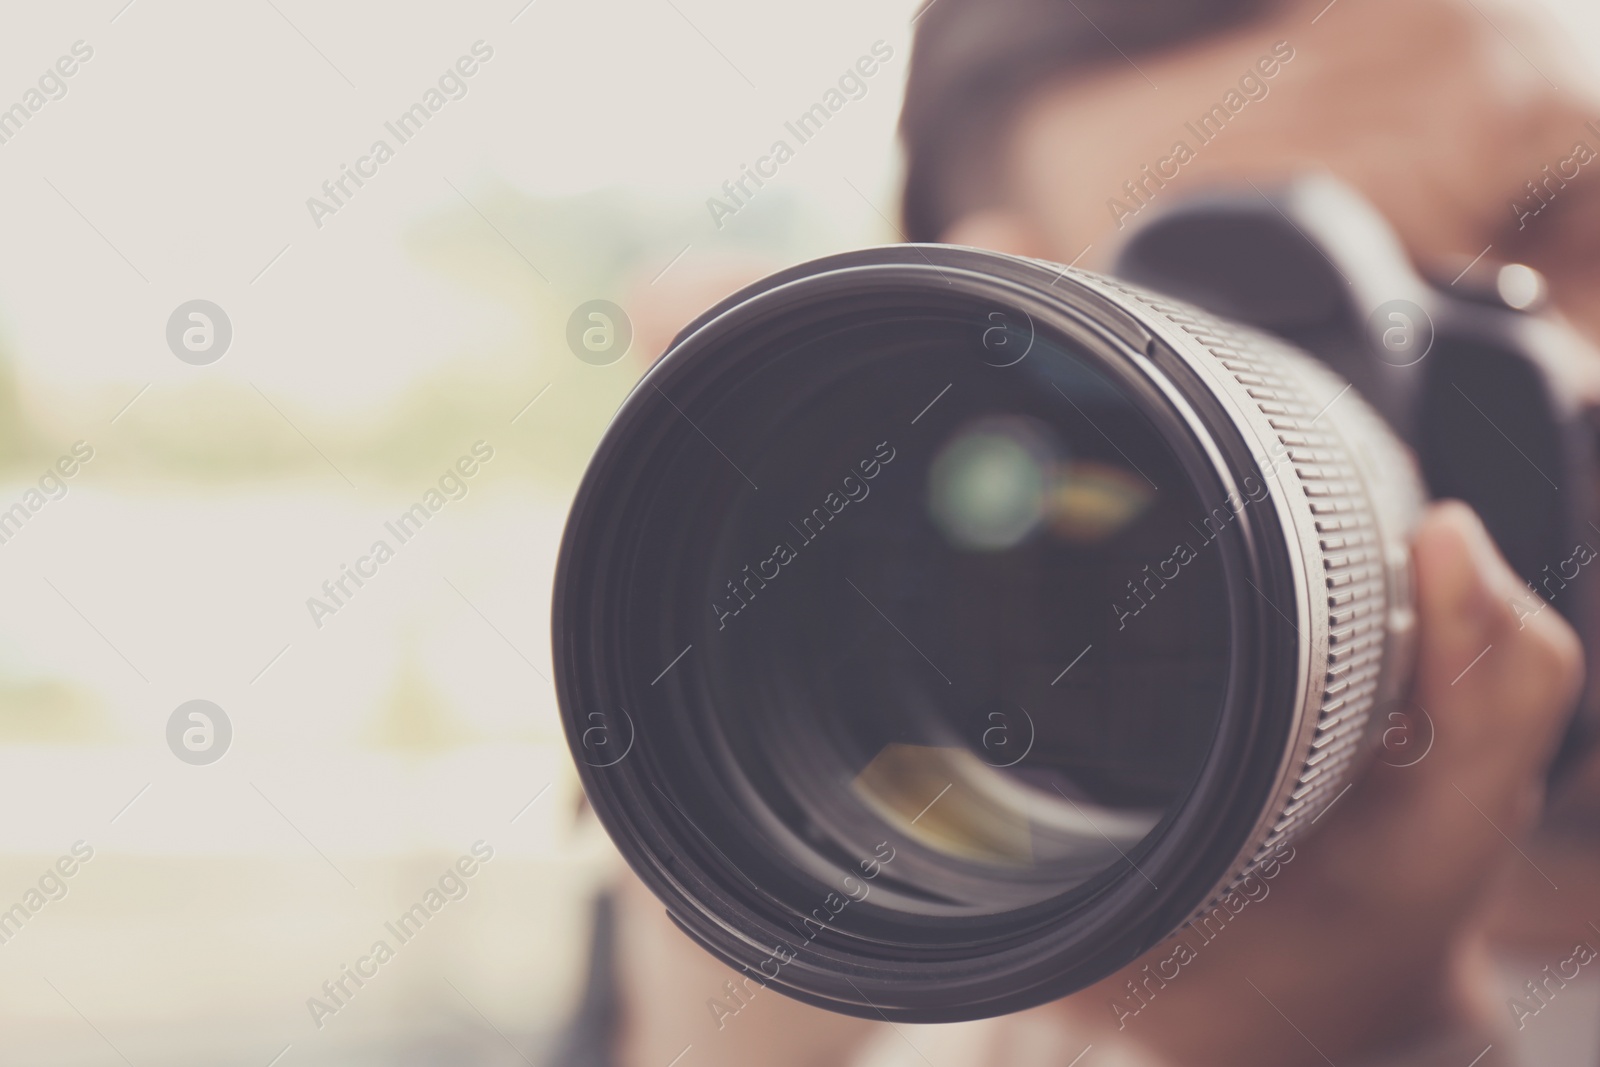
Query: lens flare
point(986, 488)
point(1088, 502)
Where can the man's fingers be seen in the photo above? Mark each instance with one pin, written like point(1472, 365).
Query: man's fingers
point(1496, 683)
point(1455, 563)
point(1497, 669)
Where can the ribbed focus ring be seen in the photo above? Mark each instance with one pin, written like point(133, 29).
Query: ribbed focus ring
point(1338, 468)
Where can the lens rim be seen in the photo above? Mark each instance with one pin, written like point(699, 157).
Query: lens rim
point(738, 921)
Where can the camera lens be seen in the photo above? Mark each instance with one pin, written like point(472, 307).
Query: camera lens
point(937, 631)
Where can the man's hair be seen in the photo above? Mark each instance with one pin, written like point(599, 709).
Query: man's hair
point(975, 62)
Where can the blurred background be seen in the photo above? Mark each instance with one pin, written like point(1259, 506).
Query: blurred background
point(367, 747)
point(368, 354)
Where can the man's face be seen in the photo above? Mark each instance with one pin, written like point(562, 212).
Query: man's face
point(1439, 111)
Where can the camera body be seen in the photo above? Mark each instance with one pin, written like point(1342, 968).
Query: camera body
point(1468, 371)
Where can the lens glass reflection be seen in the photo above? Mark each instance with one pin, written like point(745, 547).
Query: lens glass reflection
point(969, 605)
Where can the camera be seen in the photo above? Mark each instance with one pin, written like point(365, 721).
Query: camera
point(936, 631)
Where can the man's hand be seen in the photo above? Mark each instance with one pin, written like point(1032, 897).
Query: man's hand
point(1368, 938)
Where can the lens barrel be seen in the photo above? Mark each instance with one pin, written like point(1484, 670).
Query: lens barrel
point(937, 631)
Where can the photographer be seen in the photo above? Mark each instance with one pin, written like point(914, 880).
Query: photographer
point(1043, 129)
